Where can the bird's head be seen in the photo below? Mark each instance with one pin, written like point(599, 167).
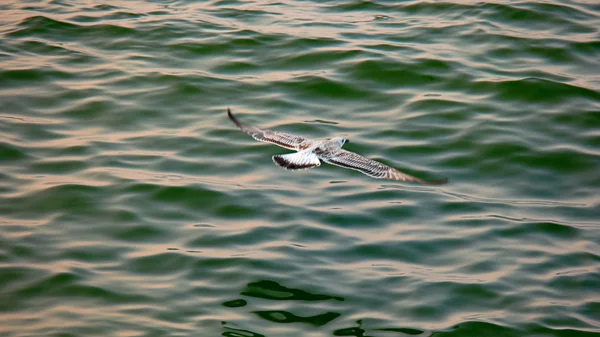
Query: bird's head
point(341, 140)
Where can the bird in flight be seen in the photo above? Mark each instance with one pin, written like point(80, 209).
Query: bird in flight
point(309, 153)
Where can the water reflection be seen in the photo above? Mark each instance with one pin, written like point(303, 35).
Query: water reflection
point(231, 332)
point(358, 331)
point(280, 316)
point(353, 331)
point(271, 290)
point(274, 291)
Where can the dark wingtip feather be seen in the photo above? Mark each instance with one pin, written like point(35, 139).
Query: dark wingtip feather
point(233, 118)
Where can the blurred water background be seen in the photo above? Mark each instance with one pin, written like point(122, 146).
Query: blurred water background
point(131, 206)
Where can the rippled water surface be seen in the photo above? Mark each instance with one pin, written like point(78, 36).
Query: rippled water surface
point(131, 206)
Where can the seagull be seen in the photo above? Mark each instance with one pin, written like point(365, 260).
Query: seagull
point(309, 154)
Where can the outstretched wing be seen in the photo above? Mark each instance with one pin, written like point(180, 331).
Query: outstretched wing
point(285, 140)
point(374, 169)
point(297, 161)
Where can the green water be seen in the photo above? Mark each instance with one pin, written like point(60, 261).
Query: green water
point(131, 206)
